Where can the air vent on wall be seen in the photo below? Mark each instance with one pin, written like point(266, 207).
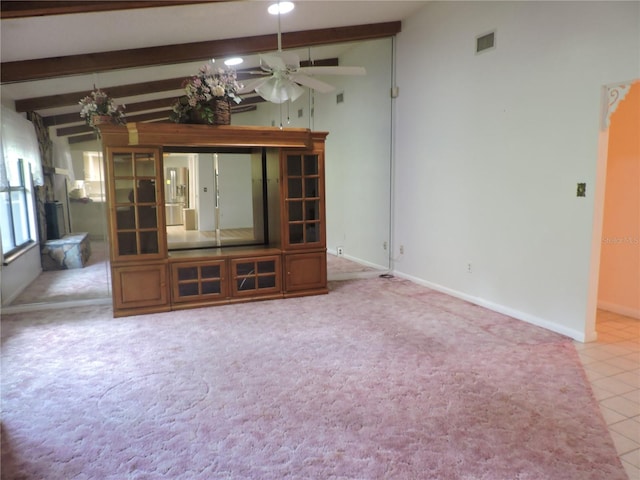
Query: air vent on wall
point(486, 42)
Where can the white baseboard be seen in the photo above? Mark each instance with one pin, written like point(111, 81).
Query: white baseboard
point(525, 317)
point(619, 309)
point(359, 261)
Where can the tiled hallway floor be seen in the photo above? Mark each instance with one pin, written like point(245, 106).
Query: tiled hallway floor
point(612, 364)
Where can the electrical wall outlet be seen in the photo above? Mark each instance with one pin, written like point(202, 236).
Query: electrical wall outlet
point(401, 249)
point(469, 268)
point(384, 245)
point(340, 251)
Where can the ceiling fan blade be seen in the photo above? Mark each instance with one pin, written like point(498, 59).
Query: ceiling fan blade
point(252, 85)
point(281, 60)
point(273, 60)
point(279, 90)
point(290, 59)
point(314, 83)
point(333, 70)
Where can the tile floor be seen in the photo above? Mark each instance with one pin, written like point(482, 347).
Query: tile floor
point(612, 364)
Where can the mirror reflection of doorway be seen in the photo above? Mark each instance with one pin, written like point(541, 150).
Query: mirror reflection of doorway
point(176, 194)
point(223, 198)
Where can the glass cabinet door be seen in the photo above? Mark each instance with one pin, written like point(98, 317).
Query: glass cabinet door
point(199, 281)
point(253, 276)
point(136, 203)
point(303, 200)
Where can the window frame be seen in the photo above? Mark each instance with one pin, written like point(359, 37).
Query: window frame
point(26, 190)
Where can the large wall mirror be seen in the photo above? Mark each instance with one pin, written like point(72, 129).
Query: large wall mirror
point(215, 197)
point(358, 117)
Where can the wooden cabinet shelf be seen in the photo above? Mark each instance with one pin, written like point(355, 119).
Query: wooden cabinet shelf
point(148, 278)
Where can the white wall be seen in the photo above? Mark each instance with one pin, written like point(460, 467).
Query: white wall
point(275, 115)
point(87, 217)
point(18, 140)
point(17, 275)
point(235, 185)
point(358, 154)
point(77, 158)
point(489, 149)
point(358, 149)
point(205, 200)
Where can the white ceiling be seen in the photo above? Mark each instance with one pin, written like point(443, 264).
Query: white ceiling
point(61, 35)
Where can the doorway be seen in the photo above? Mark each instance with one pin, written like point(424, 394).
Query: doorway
point(615, 280)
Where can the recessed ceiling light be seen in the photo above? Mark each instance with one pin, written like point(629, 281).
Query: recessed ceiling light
point(233, 61)
point(280, 7)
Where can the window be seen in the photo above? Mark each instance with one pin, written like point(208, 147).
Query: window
point(93, 186)
point(17, 216)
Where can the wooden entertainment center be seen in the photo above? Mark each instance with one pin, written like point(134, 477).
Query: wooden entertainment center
point(147, 277)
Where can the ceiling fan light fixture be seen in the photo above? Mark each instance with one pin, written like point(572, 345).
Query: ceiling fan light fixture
point(280, 8)
point(229, 62)
point(276, 90)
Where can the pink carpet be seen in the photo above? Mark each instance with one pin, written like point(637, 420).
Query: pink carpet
point(90, 282)
point(380, 379)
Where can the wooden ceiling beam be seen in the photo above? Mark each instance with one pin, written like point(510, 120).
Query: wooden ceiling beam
point(27, 8)
point(62, 119)
point(82, 138)
point(131, 90)
point(55, 120)
point(120, 91)
point(145, 117)
point(43, 68)
point(75, 130)
point(162, 115)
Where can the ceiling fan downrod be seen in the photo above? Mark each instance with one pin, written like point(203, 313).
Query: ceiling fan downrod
point(279, 31)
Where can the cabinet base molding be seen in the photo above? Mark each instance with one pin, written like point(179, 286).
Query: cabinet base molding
point(129, 312)
point(306, 293)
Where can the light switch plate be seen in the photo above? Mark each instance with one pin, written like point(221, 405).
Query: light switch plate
point(582, 190)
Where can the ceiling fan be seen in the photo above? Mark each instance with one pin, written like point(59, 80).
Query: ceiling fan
point(282, 76)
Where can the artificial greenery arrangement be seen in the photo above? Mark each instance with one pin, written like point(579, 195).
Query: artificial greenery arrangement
point(98, 107)
point(208, 97)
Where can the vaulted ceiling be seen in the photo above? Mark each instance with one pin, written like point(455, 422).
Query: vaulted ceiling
point(54, 52)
